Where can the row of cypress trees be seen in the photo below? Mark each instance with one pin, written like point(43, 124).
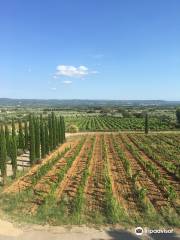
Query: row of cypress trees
point(8, 148)
point(44, 135)
point(38, 135)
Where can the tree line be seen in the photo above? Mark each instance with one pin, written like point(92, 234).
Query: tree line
point(37, 135)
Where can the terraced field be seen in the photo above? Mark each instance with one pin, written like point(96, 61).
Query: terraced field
point(102, 178)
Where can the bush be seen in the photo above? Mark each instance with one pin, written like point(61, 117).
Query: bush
point(72, 129)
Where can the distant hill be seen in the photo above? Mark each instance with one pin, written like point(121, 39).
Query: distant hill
point(5, 102)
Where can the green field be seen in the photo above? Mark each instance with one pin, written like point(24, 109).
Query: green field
point(110, 123)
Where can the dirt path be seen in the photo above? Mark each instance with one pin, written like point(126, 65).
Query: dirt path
point(8, 231)
point(117, 132)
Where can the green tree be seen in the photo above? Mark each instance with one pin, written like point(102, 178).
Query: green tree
point(13, 129)
point(13, 155)
point(146, 123)
point(64, 130)
point(46, 139)
point(50, 132)
point(32, 140)
point(3, 155)
point(57, 131)
point(26, 136)
point(61, 130)
point(43, 153)
point(178, 116)
point(7, 136)
point(54, 129)
point(37, 139)
point(21, 136)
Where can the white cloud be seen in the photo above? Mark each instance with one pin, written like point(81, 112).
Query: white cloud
point(71, 71)
point(67, 82)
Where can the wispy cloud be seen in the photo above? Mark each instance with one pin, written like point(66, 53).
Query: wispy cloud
point(71, 71)
point(67, 82)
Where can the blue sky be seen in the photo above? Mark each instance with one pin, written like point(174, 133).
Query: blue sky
point(93, 49)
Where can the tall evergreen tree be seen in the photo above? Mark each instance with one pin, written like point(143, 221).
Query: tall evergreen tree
point(43, 153)
point(32, 140)
point(7, 136)
point(57, 131)
point(26, 136)
point(146, 124)
point(13, 129)
point(54, 129)
point(21, 136)
point(50, 132)
point(64, 130)
point(61, 130)
point(13, 155)
point(46, 139)
point(37, 139)
point(3, 155)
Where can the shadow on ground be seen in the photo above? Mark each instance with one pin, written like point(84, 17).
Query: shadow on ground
point(119, 234)
point(164, 236)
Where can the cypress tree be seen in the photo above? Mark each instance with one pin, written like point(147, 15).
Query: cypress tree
point(46, 139)
point(26, 136)
point(64, 130)
point(54, 130)
point(37, 139)
point(57, 131)
point(32, 140)
point(146, 124)
point(61, 130)
point(7, 136)
point(50, 132)
point(3, 156)
point(13, 129)
point(43, 153)
point(13, 155)
point(21, 136)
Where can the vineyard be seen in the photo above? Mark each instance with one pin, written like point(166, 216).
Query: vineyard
point(102, 178)
point(109, 123)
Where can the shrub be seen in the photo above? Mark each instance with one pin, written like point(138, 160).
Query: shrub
point(73, 129)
